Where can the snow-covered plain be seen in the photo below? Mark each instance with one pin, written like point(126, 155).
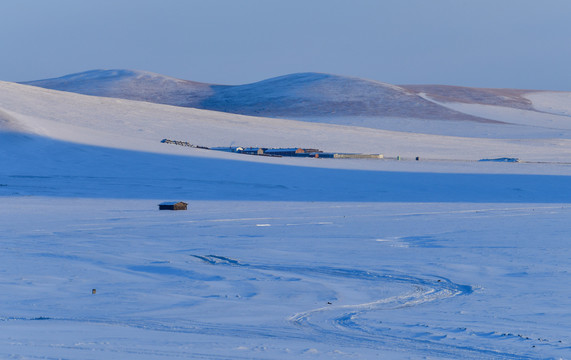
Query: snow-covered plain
point(276, 258)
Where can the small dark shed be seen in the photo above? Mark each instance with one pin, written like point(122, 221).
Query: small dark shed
point(173, 205)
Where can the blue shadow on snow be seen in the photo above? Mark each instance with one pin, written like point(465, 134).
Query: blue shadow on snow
point(32, 165)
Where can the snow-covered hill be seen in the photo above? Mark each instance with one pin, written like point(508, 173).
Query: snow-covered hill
point(341, 100)
point(296, 95)
point(134, 125)
point(133, 85)
point(292, 96)
point(323, 95)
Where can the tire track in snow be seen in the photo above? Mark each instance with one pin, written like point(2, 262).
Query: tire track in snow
point(340, 324)
point(332, 324)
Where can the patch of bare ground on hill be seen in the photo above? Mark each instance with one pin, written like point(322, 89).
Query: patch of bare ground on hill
point(500, 97)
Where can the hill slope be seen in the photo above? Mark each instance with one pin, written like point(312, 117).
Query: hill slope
point(332, 99)
point(131, 85)
point(294, 96)
point(136, 125)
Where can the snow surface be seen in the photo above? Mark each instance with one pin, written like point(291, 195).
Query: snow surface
point(514, 116)
point(551, 102)
point(276, 258)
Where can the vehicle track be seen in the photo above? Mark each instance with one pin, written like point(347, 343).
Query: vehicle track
point(340, 324)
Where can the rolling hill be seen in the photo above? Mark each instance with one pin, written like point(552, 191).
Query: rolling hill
point(137, 125)
point(342, 100)
point(295, 96)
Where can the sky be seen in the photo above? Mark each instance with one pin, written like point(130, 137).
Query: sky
point(486, 43)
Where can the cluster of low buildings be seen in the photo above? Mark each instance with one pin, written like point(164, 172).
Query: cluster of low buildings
point(279, 152)
point(295, 152)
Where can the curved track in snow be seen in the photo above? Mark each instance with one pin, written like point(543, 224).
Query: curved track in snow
point(350, 326)
point(344, 324)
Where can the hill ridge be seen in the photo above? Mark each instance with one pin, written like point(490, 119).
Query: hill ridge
point(295, 96)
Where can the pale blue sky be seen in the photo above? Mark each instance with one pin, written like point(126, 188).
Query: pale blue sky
point(484, 43)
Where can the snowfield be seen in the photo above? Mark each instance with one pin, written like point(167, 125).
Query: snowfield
point(281, 258)
point(551, 102)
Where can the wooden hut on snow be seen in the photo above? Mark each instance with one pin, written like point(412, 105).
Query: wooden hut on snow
point(173, 205)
